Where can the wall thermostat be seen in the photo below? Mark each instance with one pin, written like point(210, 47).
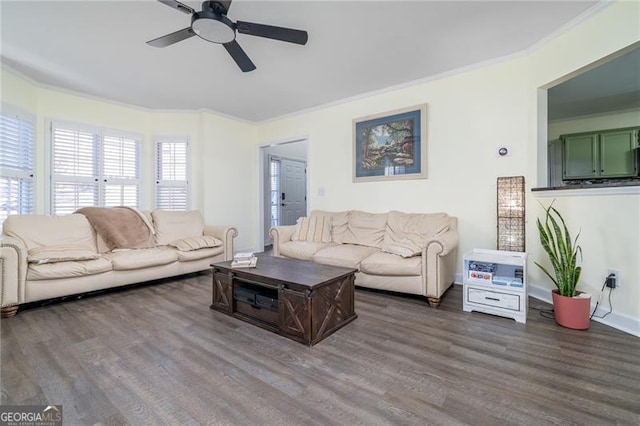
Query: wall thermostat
point(503, 151)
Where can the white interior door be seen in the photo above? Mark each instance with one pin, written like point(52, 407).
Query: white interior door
point(293, 191)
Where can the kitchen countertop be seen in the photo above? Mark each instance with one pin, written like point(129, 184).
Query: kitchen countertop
point(589, 184)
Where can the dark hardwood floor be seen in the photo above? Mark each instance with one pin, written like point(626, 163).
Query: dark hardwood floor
point(159, 355)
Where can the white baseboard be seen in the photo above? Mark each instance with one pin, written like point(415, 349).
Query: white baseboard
point(621, 322)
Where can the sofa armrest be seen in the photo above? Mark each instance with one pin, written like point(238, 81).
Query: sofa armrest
point(279, 235)
point(442, 244)
point(13, 271)
point(224, 233)
point(439, 262)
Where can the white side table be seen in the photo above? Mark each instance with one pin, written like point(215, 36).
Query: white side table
point(495, 282)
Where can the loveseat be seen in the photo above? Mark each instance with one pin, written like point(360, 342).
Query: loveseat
point(395, 251)
point(44, 257)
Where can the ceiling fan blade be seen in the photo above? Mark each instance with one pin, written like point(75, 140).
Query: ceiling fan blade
point(239, 56)
point(223, 9)
point(169, 39)
point(277, 33)
point(178, 6)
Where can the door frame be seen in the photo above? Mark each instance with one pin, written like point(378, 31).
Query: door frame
point(262, 180)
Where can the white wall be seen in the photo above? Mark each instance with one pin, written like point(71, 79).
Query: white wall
point(610, 224)
point(469, 116)
point(229, 177)
point(223, 169)
point(465, 115)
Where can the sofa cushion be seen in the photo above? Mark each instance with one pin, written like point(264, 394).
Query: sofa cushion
point(303, 250)
point(365, 229)
point(60, 254)
point(346, 255)
point(391, 265)
point(171, 226)
point(195, 243)
point(39, 230)
point(339, 221)
point(203, 253)
point(406, 233)
point(315, 229)
point(124, 260)
point(57, 270)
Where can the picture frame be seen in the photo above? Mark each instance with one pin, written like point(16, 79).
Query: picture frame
point(390, 145)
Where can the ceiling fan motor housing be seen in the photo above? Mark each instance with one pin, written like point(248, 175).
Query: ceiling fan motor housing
point(214, 6)
point(212, 26)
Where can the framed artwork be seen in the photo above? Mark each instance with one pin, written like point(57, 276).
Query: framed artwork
point(391, 145)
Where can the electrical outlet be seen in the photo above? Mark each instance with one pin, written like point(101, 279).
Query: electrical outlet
point(616, 273)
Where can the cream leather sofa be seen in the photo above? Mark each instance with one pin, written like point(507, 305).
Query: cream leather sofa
point(400, 252)
point(77, 260)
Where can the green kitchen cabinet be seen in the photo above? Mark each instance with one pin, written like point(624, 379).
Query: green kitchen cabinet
point(617, 153)
point(580, 156)
point(602, 154)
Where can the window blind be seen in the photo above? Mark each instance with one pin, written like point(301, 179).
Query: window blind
point(121, 171)
point(172, 171)
point(17, 141)
point(93, 167)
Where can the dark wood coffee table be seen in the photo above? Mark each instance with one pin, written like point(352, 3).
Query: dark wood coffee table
point(301, 300)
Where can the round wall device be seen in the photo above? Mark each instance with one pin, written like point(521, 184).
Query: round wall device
point(503, 151)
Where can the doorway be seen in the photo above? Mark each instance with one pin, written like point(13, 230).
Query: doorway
point(284, 194)
point(293, 191)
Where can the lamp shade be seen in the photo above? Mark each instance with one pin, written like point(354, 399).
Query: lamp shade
point(511, 213)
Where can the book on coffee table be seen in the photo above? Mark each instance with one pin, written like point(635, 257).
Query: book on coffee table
point(243, 255)
point(244, 263)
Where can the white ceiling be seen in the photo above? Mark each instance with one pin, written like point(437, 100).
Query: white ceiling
point(98, 48)
point(611, 86)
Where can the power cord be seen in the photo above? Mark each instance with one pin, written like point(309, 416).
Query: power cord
point(600, 297)
point(549, 313)
point(545, 313)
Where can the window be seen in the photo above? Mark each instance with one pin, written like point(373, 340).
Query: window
point(172, 171)
point(274, 190)
point(17, 141)
point(93, 167)
point(120, 170)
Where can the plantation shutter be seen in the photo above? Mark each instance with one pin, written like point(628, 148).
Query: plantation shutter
point(75, 168)
point(17, 141)
point(172, 170)
point(121, 170)
point(92, 167)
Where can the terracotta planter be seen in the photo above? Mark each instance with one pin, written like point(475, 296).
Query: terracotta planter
point(571, 312)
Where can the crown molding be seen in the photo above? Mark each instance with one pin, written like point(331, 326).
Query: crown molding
point(520, 54)
point(7, 68)
point(523, 53)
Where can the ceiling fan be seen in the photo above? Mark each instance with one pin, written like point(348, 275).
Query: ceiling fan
point(212, 24)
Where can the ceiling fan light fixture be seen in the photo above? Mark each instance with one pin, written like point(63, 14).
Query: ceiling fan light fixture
point(212, 27)
point(211, 24)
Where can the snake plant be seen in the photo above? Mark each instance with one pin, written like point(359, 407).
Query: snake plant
point(562, 251)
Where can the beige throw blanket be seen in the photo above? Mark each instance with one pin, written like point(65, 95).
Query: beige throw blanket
point(119, 227)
